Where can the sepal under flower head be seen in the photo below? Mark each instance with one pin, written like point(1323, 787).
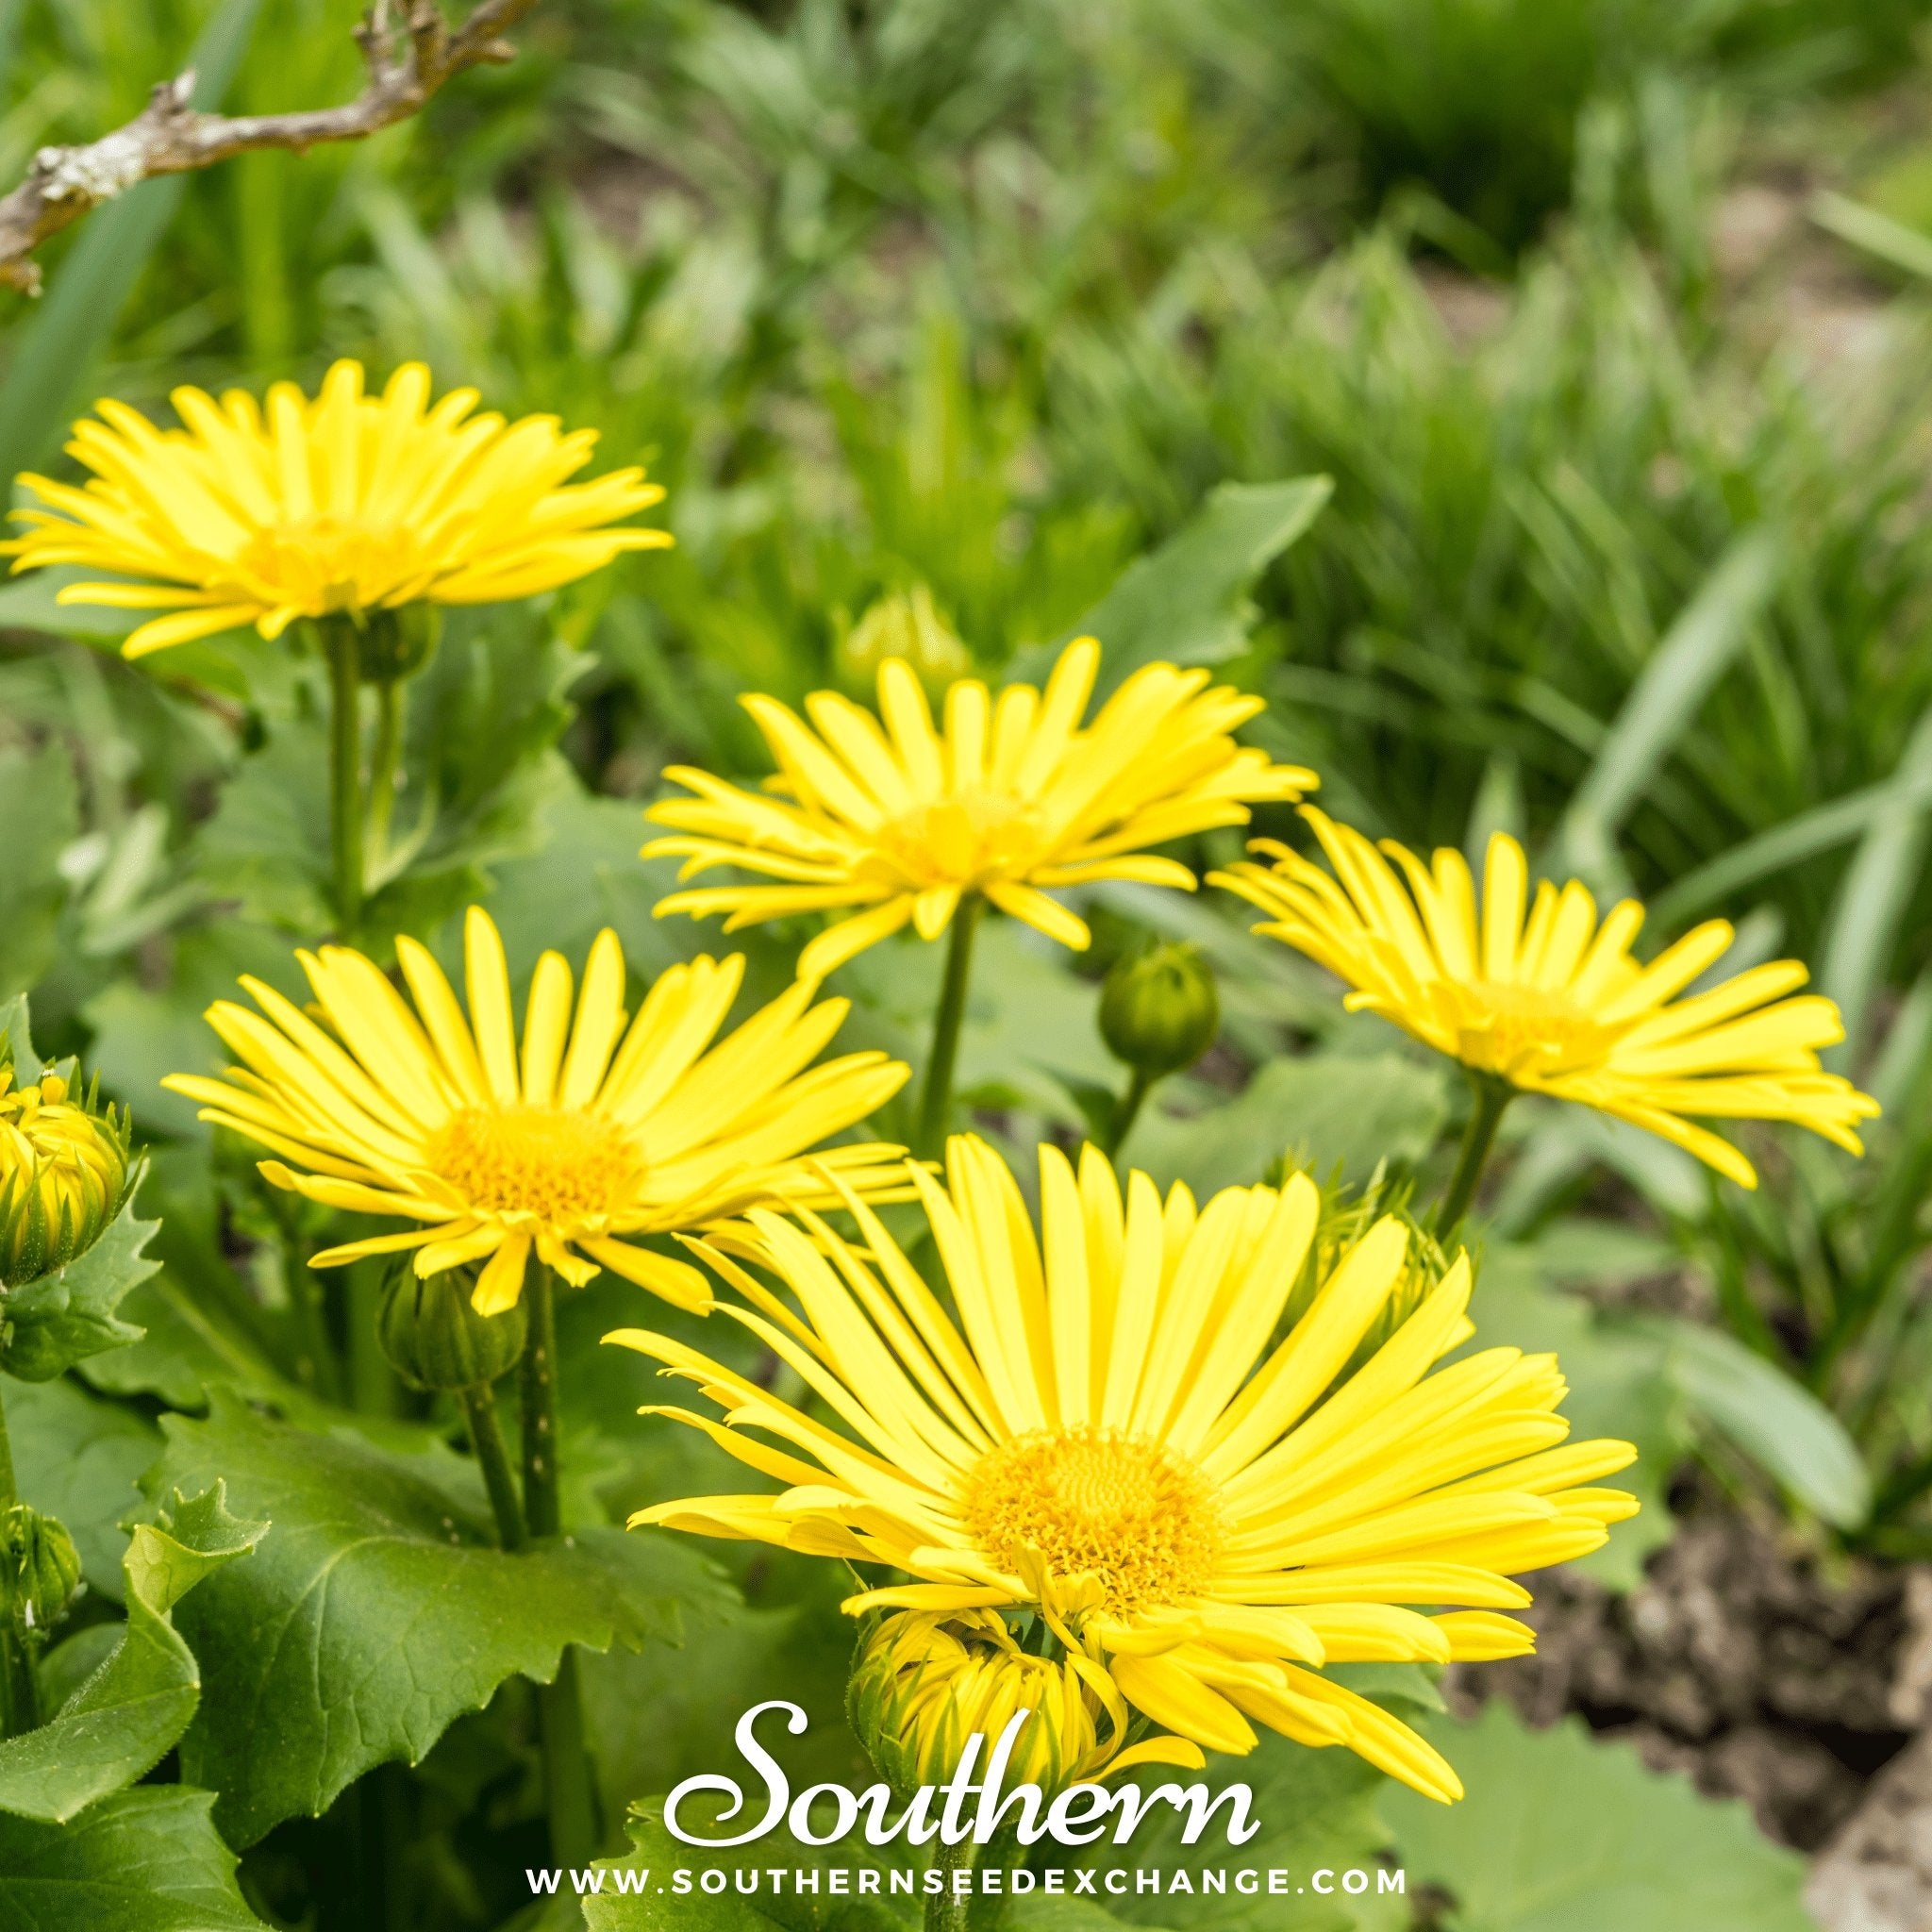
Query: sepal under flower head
point(63, 1170)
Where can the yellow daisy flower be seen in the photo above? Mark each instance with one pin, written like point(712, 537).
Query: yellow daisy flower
point(349, 502)
point(1011, 796)
point(1106, 1436)
point(591, 1134)
point(1556, 1003)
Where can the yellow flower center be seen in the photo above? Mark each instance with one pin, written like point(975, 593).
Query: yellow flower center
point(323, 563)
point(1524, 1030)
point(960, 841)
point(1128, 1512)
point(549, 1164)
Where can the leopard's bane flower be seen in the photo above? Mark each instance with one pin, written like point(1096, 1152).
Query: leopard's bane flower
point(63, 1170)
point(1105, 1437)
point(894, 821)
point(1555, 1003)
point(261, 515)
point(589, 1135)
point(923, 1684)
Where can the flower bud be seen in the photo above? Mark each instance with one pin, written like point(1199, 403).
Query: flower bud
point(435, 1338)
point(63, 1170)
point(40, 1569)
point(392, 644)
point(922, 1685)
point(1158, 1010)
point(903, 625)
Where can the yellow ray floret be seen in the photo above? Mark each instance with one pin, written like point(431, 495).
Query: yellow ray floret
point(589, 1134)
point(895, 821)
point(253, 514)
point(1555, 1003)
point(1105, 1435)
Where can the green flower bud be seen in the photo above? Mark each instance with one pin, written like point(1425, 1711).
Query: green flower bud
point(40, 1569)
point(63, 1170)
point(1158, 1012)
point(903, 625)
point(435, 1338)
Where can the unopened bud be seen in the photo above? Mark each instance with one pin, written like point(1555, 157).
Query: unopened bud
point(40, 1569)
point(1158, 1010)
point(435, 1338)
point(63, 1170)
point(903, 625)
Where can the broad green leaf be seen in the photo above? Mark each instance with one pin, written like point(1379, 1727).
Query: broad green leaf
point(32, 603)
point(1778, 1423)
point(73, 323)
point(119, 1723)
point(68, 1315)
point(40, 809)
point(381, 1608)
point(1560, 1833)
point(1187, 604)
point(146, 1860)
point(1663, 702)
point(1324, 1107)
point(1859, 941)
point(17, 1037)
point(1617, 1390)
point(80, 1458)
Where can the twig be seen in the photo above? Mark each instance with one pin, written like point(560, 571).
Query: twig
point(411, 52)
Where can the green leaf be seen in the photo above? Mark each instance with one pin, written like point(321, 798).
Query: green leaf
point(80, 1458)
point(133, 1709)
point(1881, 237)
point(66, 1316)
point(1326, 1108)
point(1776, 1421)
point(1187, 604)
point(17, 1037)
point(1863, 932)
point(1560, 1833)
point(1664, 702)
point(381, 1608)
point(73, 323)
point(148, 1860)
point(41, 808)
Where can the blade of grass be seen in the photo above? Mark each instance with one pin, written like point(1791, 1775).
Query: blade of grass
point(76, 320)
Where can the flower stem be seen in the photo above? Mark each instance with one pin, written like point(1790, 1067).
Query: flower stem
point(485, 1437)
point(1488, 1096)
point(936, 1098)
point(341, 645)
point(571, 1796)
point(1128, 1109)
point(948, 1910)
point(383, 763)
point(20, 1704)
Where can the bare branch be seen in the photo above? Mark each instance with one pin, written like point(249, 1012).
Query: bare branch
point(410, 51)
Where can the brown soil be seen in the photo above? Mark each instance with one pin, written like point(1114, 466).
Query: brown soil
point(1741, 1661)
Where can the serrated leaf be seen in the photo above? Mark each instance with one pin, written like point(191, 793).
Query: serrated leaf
point(1187, 602)
point(1564, 1833)
point(381, 1609)
point(1329, 1108)
point(146, 1860)
point(121, 1722)
point(80, 1458)
point(66, 1316)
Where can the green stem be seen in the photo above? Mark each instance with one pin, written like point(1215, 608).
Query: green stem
point(20, 1704)
point(936, 1098)
point(949, 1911)
point(345, 769)
point(570, 1795)
point(485, 1437)
point(1128, 1111)
point(1489, 1097)
point(383, 764)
